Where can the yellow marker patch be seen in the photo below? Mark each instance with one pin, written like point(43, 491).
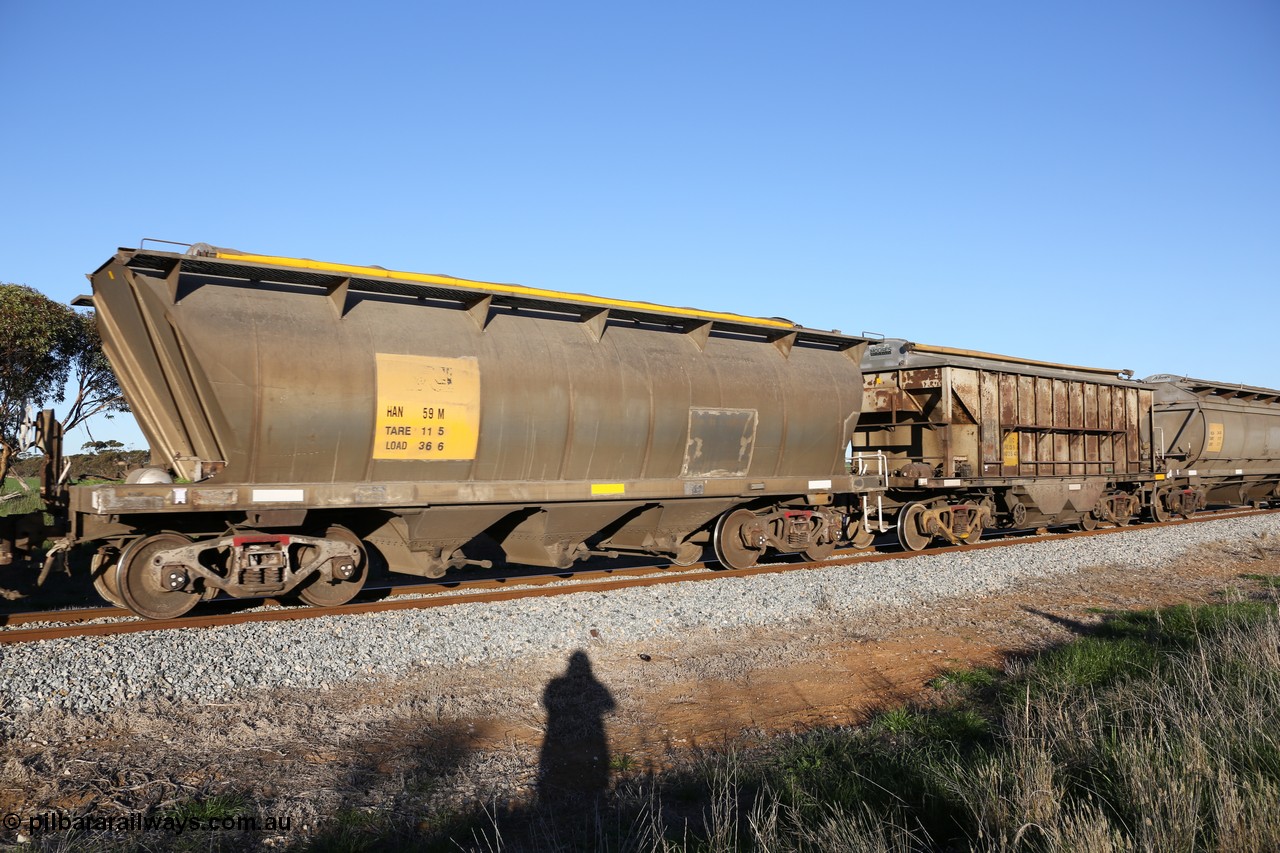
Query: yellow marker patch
point(1010, 449)
point(428, 408)
point(608, 489)
point(1216, 434)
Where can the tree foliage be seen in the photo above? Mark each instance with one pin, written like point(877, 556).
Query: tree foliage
point(94, 382)
point(43, 344)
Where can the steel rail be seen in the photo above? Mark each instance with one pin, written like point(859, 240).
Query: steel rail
point(442, 586)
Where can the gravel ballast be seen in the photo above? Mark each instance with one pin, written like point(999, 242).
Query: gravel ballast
point(95, 675)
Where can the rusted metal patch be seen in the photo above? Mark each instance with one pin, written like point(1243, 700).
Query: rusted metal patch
point(369, 494)
point(930, 377)
point(721, 442)
point(111, 500)
point(215, 497)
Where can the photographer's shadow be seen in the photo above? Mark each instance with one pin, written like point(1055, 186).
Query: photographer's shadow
point(574, 764)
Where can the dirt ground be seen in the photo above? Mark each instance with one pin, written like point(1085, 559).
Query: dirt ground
point(439, 741)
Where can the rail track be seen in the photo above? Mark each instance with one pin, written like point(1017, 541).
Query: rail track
point(106, 621)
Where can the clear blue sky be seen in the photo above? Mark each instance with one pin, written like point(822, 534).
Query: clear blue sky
point(1088, 182)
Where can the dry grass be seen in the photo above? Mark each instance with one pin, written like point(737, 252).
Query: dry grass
point(1160, 734)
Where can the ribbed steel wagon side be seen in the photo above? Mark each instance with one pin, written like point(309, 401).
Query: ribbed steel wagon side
point(310, 410)
point(975, 440)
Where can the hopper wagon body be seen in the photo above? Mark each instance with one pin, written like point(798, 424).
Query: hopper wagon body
point(309, 413)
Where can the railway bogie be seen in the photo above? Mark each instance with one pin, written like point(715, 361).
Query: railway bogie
point(953, 519)
point(164, 574)
point(742, 536)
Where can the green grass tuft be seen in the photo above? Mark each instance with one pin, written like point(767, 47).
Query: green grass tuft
point(219, 807)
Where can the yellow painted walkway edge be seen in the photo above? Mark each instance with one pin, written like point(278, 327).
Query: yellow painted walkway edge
point(514, 289)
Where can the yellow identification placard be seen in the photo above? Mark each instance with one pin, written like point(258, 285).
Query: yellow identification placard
point(428, 407)
point(1216, 434)
point(1010, 449)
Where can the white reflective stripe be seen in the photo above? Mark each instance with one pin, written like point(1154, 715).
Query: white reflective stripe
point(179, 496)
point(950, 482)
point(819, 484)
point(1073, 487)
point(1192, 473)
point(278, 496)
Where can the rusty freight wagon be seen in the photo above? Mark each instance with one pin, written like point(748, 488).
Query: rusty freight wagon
point(975, 440)
point(1220, 441)
point(303, 415)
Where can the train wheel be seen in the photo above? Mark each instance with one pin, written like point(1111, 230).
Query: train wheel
point(1088, 521)
point(731, 549)
point(143, 585)
point(1158, 510)
point(862, 538)
point(912, 536)
point(818, 553)
point(103, 572)
point(104, 583)
point(975, 536)
point(687, 554)
point(319, 592)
